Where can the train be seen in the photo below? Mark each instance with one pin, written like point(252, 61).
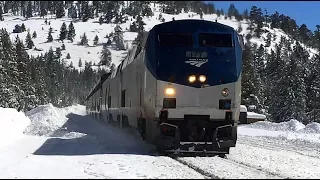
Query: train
point(179, 87)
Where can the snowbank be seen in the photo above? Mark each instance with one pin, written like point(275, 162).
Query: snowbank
point(292, 125)
point(254, 115)
point(12, 124)
point(243, 108)
point(311, 128)
point(46, 119)
point(292, 130)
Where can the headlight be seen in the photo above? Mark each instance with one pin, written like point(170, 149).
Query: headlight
point(225, 92)
point(192, 78)
point(170, 91)
point(202, 78)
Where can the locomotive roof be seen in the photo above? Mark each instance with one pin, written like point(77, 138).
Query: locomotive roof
point(187, 24)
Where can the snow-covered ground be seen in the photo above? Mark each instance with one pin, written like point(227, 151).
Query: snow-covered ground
point(93, 28)
point(66, 143)
point(73, 145)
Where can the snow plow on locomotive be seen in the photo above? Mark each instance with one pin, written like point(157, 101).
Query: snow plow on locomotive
point(180, 87)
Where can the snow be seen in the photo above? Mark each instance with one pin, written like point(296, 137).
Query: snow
point(45, 120)
point(243, 108)
point(292, 130)
point(292, 125)
point(80, 147)
point(254, 115)
point(224, 169)
point(77, 146)
point(312, 128)
point(12, 124)
point(283, 163)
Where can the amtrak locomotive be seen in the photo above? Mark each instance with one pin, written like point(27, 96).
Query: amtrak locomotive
point(180, 87)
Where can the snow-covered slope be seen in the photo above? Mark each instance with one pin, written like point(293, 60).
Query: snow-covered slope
point(93, 28)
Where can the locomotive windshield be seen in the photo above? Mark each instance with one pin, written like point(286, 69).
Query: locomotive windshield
point(215, 40)
point(175, 39)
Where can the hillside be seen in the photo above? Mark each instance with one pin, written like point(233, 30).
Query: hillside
point(92, 28)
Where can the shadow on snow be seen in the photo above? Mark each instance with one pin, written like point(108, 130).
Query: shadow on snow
point(100, 138)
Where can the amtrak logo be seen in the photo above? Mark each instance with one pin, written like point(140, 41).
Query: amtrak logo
point(197, 62)
point(196, 58)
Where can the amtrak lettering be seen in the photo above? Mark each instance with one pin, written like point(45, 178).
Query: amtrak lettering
point(196, 58)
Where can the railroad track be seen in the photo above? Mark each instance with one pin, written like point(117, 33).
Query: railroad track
point(223, 168)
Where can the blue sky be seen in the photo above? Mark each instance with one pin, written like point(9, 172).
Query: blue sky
point(307, 12)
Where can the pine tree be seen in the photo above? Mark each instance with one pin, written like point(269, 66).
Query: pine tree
point(60, 9)
point(313, 90)
point(277, 84)
point(73, 12)
point(68, 56)
point(218, 12)
point(100, 20)
point(71, 65)
point(84, 39)
point(246, 14)
point(105, 58)
point(259, 71)
point(29, 10)
point(23, 27)
point(8, 73)
point(247, 80)
point(118, 37)
point(146, 10)
point(96, 40)
point(58, 53)
point(109, 42)
point(63, 47)
point(231, 10)
point(222, 11)
point(1, 12)
point(85, 11)
point(38, 80)
point(140, 27)
point(268, 41)
point(27, 99)
point(71, 32)
point(49, 38)
point(29, 41)
point(63, 32)
point(96, 7)
point(34, 35)
point(296, 85)
point(316, 38)
point(133, 27)
point(80, 63)
point(43, 8)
